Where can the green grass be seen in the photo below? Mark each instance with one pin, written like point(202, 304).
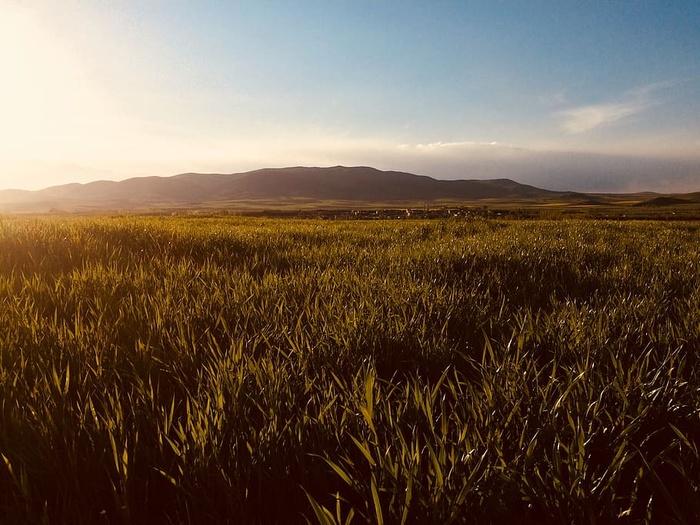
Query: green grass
point(158, 370)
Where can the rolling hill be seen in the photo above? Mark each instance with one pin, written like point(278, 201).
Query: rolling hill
point(295, 186)
point(270, 185)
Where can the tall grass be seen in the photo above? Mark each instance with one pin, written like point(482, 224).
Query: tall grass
point(244, 370)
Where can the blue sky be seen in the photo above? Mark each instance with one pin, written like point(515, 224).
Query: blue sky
point(576, 95)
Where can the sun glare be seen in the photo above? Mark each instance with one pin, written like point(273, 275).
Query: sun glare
point(45, 102)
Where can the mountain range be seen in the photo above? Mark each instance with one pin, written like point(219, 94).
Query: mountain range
point(295, 186)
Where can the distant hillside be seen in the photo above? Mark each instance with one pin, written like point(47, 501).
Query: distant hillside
point(270, 188)
point(346, 184)
point(668, 201)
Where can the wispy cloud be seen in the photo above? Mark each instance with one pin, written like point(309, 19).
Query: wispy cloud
point(582, 119)
point(587, 118)
point(452, 146)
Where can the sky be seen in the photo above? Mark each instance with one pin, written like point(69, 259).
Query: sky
point(588, 95)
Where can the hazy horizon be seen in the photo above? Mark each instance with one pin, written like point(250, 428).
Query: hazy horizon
point(566, 96)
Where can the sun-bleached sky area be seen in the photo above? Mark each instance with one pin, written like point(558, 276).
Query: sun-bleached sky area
point(592, 96)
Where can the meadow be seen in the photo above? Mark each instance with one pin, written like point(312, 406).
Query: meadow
point(251, 370)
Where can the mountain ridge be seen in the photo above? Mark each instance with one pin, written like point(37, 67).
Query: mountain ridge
point(357, 184)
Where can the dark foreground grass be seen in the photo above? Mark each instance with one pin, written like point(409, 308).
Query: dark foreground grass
point(257, 371)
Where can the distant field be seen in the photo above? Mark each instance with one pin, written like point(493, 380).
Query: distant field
point(252, 370)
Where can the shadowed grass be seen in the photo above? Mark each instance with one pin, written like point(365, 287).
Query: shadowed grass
point(249, 370)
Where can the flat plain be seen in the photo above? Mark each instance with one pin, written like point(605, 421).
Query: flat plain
point(253, 370)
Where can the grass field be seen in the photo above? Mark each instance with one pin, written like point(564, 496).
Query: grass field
point(248, 370)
